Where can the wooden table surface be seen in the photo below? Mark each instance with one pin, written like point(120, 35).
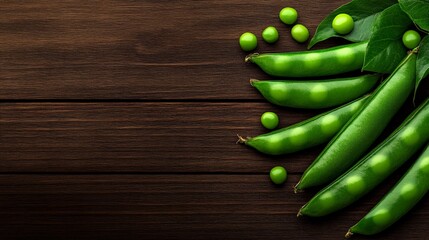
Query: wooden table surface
point(118, 120)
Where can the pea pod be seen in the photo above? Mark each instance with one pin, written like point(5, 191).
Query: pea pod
point(313, 63)
point(363, 129)
point(311, 132)
point(314, 94)
point(400, 199)
point(376, 166)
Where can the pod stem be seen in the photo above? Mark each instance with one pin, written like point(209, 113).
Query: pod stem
point(348, 234)
point(296, 190)
point(241, 139)
point(250, 56)
point(252, 81)
point(299, 214)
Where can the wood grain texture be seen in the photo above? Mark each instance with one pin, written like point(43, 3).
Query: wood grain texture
point(139, 137)
point(137, 49)
point(172, 207)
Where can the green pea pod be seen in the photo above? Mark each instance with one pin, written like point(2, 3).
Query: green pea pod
point(362, 130)
point(311, 132)
point(313, 63)
point(315, 94)
point(376, 166)
point(400, 199)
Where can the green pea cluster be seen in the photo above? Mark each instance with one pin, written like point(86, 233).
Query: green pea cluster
point(359, 109)
point(288, 15)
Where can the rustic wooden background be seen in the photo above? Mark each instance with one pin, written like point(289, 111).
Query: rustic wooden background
point(118, 120)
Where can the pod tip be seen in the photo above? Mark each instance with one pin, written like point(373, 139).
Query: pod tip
point(296, 188)
point(250, 56)
point(348, 234)
point(241, 139)
point(252, 81)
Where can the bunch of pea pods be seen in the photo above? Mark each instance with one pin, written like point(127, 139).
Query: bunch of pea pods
point(360, 109)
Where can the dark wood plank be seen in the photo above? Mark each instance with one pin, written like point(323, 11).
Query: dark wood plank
point(173, 207)
point(139, 137)
point(138, 49)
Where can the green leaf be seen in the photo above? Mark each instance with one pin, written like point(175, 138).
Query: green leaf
point(418, 11)
point(422, 64)
point(363, 12)
point(385, 48)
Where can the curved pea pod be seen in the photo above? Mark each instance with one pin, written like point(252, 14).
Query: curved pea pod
point(375, 167)
point(313, 63)
point(311, 132)
point(400, 199)
point(362, 130)
point(315, 94)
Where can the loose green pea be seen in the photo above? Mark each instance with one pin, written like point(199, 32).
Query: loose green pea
point(248, 41)
point(278, 175)
point(411, 39)
point(270, 120)
point(300, 33)
point(270, 34)
point(343, 24)
point(288, 15)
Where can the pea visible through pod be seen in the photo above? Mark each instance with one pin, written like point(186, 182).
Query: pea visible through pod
point(400, 199)
point(313, 63)
point(311, 132)
point(376, 166)
point(363, 129)
point(314, 94)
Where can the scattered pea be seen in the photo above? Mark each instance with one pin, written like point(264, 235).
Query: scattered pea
point(343, 24)
point(300, 33)
point(278, 175)
point(270, 120)
point(288, 15)
point(270, 34)
point(248, 41)
point(411, 39)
